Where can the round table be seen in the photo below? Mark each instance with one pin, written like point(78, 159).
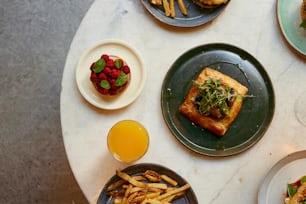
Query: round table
point(235, 179)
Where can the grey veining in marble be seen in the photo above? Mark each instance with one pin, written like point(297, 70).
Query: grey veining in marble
point(34, 40)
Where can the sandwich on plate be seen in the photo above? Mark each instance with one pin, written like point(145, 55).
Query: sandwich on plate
point(209, 3)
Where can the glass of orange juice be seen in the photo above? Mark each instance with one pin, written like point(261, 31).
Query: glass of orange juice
point(128, 140)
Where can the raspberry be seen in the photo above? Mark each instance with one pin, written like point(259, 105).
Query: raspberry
point(107, 71)
point(103, 91)
point(112, 82)
point(93, 77)
point(105, 57)
point(115, 73)
point(112, 91)
point(97, 84)
point(92, 66)
point(110, 63)
point(126, 69)
point(102, 76)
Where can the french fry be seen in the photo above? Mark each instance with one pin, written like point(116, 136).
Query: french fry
point(182, 7)
point(122, 181)
point(151, 189)
point(136, 189)
point(139, 178)
point(156, 2)
point(169, 6)
point(139, 199)
point(126, 195)
point(169, 180)
point(152, 176)
point(157, 185)
point(172, 9)
point(116, 185)
point(173, 197)
point(117, 201)
point(131, 197)
point(168, 199)
point(175, 191)
point(166, 7)
point(130, 179)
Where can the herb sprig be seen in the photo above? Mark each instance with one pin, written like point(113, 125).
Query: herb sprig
point(303, 24)
point(214, 98)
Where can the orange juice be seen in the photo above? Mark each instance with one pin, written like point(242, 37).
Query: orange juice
point(128, 140)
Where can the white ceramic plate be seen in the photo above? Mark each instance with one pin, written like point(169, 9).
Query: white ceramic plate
point(287, 170)
point(122, 50)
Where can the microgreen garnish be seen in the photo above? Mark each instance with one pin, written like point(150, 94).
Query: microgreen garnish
point(105, 84)
point(214, 98)
point(291, 190)
point(118, 63)
point(99, 66)
point(303, 24)
point(303, 180)
point(121, 80)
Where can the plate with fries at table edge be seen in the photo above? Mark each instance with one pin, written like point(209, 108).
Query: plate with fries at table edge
point(152, 182)
point(182, 13)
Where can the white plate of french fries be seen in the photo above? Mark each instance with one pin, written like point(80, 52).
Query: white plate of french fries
point(148, 184)
point(182, 13)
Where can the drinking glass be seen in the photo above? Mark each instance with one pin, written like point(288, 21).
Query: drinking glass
point(300, 108)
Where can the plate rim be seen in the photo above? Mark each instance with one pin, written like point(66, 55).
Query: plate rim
point(284, 33)
point(176, 23)
point(132, 50)
point(274, 169)
point(217, 153)
point(133, 168)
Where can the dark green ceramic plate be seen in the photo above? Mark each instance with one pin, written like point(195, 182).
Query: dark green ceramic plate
point(137, 169)
point(254, 117)
point(196, 16)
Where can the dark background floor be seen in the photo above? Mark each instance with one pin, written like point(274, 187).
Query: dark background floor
point(35, 36)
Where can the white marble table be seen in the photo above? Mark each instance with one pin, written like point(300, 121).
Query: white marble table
point(250, 25)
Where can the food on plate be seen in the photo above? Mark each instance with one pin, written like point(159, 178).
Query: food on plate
point(213, 101)
point(296, 192)
point(128, 140)
point(169, 6)
point(156, 2)
point(110, 74)
point(166, 6)
point(149, 187)
point(182, 7)
point(172, 8)
point(209, 3)
point(303, 14)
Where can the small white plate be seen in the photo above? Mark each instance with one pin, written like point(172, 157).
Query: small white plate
point(287, 170)
point(128, 54)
